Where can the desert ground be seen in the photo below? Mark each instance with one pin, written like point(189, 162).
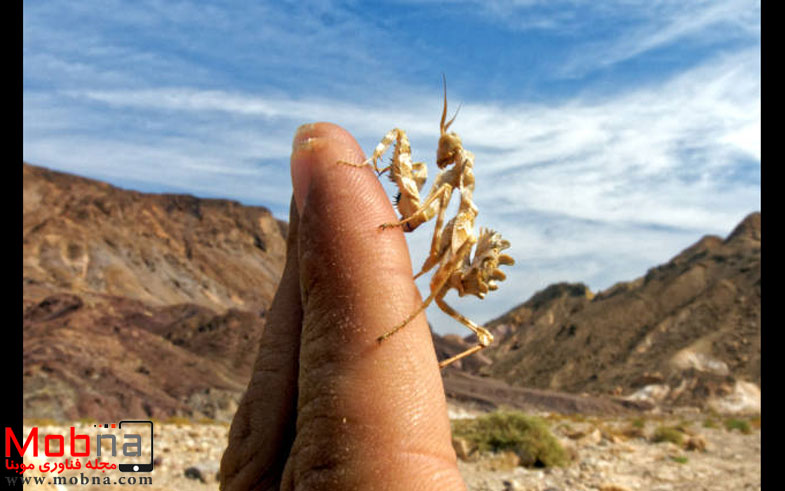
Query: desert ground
point(607, 453)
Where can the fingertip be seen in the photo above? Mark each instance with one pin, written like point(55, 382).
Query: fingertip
point(315, 144)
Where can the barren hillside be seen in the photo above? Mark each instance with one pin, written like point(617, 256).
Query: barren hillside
point(139, 304)
point(688, 330)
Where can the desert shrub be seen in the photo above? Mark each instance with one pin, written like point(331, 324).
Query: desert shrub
point(738, 424)
point(710, 423)
point(177, 420)
point(678, 459)
point(634, 429)
point(684, 425)
point(638, 423)
point(528, 436)
point(668, 434)
point(755, 422)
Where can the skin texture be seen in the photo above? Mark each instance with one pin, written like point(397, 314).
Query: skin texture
point(328, 407)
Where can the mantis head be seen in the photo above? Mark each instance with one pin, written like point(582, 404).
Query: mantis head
point(449, 143)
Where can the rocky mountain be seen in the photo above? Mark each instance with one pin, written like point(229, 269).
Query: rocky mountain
point(110, 357)
point(152, 305)
point(140, 305)
point(86, 236)
point(688, 332)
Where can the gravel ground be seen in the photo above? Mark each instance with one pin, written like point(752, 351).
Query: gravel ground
point(605, 458)
point(609, 462)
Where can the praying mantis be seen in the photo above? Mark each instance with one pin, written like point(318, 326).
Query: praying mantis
point(452, 243)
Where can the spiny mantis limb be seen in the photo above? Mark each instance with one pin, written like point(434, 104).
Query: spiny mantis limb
point(394, 135)
point(453, 359)
point(443, 195)
point(437, 248)
point(484, 337)
point(363, 164)
point(408, 319)
point(477, 278)
point(440, 279)
point(403, 152)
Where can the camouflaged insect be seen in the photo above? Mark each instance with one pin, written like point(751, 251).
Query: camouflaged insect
point(452, 243)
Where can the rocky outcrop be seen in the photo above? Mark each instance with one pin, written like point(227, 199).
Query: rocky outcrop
point(691, 326)
point(84, 236)
point(140, 305)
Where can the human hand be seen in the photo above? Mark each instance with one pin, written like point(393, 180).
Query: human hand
point(328, 407)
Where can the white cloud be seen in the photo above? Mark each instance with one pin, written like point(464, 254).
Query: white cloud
point(606, 33)
point(665, 23)
point(593, 190)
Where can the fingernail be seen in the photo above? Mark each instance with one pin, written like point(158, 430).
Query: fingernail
point(303, 147)
point(302, 133)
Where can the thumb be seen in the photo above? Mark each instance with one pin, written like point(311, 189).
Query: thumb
point(370, 414)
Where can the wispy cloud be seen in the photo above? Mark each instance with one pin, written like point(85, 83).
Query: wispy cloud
point(603, 34)
point(585, 183)
point(683, 133)
point(664, 24)
point(595, 180)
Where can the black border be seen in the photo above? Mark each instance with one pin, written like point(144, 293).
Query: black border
point(11, 355)
point(769, 328)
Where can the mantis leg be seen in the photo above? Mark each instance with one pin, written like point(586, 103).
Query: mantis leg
point(437, 285)
point(436, 250)
point(363, 164)
point(394, 135)
point(422, 212)
point(484, 337)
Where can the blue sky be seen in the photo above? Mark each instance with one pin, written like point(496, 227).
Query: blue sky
point(608, 135)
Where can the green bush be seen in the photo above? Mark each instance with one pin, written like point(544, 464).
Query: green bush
point(738, 424)
point(684, 426)
point(678, 459)
point(668, 434)
point(528, 436)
